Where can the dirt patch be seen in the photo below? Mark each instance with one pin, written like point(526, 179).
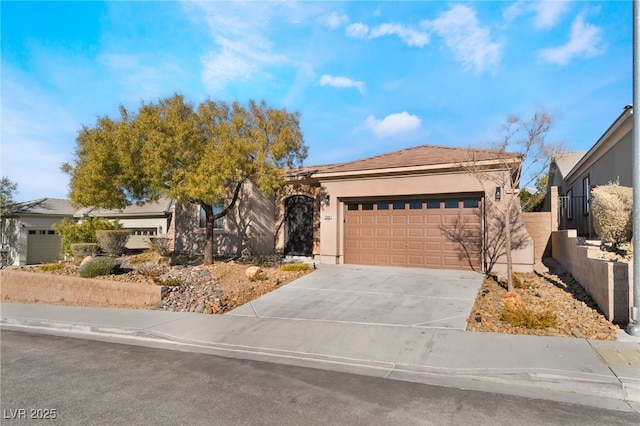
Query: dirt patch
point(575, 312)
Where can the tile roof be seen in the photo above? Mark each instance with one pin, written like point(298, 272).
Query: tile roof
point(423, 155)
point(161, 207)
point(44, 206)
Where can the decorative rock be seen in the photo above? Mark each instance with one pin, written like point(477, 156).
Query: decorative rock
point(252, 271)
point(86, 260)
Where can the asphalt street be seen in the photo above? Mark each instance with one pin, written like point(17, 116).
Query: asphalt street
point(97, 383)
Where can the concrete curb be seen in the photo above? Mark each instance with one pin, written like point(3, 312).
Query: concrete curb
point(595, 391)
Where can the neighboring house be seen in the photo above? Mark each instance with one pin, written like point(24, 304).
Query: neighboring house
point(28, 234)
point(144, 221)
point(27, 230)
point(608, 160)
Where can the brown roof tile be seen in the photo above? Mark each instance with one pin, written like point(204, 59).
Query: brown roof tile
point(423, 155)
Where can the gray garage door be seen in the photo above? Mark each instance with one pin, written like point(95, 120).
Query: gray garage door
point(410, 233)
point(43, 245)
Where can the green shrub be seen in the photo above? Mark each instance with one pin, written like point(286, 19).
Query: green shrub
point(83, 231)
point(50, 267)
point(113, 242)
point(295, 267)
point(82, 250)
point(99, 266)
point(528, 318)
point(177, 260)
point(612, 210)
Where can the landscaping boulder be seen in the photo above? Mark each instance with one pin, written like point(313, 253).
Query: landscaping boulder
point(252, 271)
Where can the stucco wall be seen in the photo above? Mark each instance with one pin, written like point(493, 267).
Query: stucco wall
point(250, 223)
point(539, 226)
point(608, 283)
point(33, 287)
point(451, 183)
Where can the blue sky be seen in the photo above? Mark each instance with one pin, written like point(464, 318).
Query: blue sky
point(367, 77)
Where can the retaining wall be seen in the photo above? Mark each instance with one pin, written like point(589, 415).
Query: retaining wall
point(610, 284)
point(32, 287)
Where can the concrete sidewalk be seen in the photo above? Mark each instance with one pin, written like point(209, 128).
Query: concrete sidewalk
point(589, 372)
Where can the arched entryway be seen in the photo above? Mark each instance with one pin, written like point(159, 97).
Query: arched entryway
point(298, 226)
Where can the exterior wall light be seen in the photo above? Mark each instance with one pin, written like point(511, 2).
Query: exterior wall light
point(498, 193)
point(327, 199)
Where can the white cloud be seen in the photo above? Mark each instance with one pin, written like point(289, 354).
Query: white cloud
point(357, 30)
point(221, 68)
point(462, 33)
point(240, 31)
point(585, 41)
point(342, 82)
point(409, 36)
point(546, 13)
point(335, 20)
point(393, 124)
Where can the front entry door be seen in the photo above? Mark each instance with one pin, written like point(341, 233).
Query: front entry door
point(299, 226)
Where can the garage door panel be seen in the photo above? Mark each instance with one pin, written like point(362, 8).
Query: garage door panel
point(383, 245)
point(383, 220)
point(415, 219)
point(383, 232)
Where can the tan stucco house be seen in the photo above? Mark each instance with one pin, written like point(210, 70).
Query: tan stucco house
point(393, 209)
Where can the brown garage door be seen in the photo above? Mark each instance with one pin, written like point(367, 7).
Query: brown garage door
point(409, 233)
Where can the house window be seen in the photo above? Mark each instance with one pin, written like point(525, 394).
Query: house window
point(219, 223)
point(586, 188)
point(570, 204)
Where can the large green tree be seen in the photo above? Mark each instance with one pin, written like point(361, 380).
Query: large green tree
point(201, 155)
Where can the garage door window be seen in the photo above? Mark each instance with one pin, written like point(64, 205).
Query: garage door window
point(383, 205)
point(352, 207)
point(451, 204)
point(415, 205)
point(367, 206)
point(399, 205)
point(433, 204)
point(471, 204)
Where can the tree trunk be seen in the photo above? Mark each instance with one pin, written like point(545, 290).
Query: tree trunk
point(507, 243)
point(209, 245)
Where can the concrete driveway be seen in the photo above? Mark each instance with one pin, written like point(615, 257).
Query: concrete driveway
point(373, 295)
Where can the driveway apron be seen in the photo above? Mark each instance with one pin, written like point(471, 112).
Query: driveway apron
point(374, 295)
